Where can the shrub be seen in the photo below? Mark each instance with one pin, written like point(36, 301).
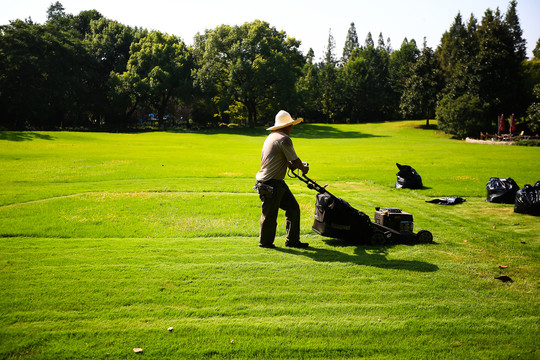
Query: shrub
point(461, 117)
point(533, 112)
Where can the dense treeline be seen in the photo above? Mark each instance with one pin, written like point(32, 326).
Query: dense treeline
point(86, 71)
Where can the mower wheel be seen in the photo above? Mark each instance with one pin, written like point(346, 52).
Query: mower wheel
point(424, 237)
point(377, 238)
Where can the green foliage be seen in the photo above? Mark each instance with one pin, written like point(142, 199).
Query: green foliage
point(461, 117)
point(533, 112)
point(158, 70)
point(309, 92)
point(330, 54)
point(47, 77)
point(57, 16)
point(531, 74)
point(456, 46)
point(512, 20)
point(355, 96)
point(82, 23)
point(369, 41)
point(497, 64)
point(536, 51)
point(419, 97)
point(378, 104)
point(253, 64)
point(400, 65)
point(109, 41)
point(351, 43)
point(329, 101)
point(485, 61)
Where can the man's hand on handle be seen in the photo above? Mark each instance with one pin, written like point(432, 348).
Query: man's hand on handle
point(298, 164)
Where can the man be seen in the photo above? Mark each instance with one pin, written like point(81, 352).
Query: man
point(277, 155)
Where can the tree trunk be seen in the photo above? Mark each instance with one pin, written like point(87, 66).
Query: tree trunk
point(162, 108)
point(252, 113)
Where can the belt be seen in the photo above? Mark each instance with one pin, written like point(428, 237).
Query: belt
point(271, 181)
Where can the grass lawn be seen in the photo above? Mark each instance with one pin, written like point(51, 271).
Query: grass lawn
point(107, 240)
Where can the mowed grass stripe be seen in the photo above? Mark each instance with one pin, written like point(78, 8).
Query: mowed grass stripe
point(196, 284)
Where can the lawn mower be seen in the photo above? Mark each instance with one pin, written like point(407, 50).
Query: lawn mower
point(336, 218)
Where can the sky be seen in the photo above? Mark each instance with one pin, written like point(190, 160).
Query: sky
point(310, 21)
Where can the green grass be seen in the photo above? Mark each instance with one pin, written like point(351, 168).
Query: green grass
point(106, 240)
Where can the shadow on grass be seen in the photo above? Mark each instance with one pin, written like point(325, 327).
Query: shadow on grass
point(427, 127)
point(363, 255)
point(23, 136)
point(304, 131)
point(422, 188)
point(322, 131)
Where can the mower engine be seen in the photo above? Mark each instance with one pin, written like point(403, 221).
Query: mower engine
point(394, 219)
point(392, 224)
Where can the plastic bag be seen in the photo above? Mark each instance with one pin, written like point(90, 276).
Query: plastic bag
point(452, 200)
point(501, 190)
point(528, 200)
point(408, 178)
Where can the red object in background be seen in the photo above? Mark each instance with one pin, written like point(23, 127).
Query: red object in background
point(512, 124)
point(502, 126)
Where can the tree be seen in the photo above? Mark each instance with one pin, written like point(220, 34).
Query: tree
point(351, 43)
point(380, 42)
point(400, 68)
point(485, 62)
point(329, 56)
point(421, 89)
point(57, 16)
point(456, 54)
point(498, 67)
point(536, 51)
point(82, 22)
point(158, 71)
point(109, 42)
point(328, 77)
point(252, 64)
point(329, 103)
point(354, 78)
point(47, 77)
point(512, 21)
point(533, 112)
point(309, 90)
point(369, 40)
point(378, 103)
point(452, 51)
point(462, 117)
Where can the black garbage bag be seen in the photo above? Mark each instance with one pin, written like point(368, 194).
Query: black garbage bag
point(528, 200)
point(452, 200)
point(501, 190)
point(408, 178)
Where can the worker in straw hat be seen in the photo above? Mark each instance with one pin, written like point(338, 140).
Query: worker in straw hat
point(278, 154)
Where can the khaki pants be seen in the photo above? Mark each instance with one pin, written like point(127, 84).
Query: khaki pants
point(282, 198)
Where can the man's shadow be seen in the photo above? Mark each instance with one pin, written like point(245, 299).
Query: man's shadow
point(363, 255)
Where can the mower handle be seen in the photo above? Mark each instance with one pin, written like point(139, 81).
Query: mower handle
point(311, 184)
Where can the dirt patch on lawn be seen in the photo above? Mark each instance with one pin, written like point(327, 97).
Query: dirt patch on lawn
point(489, 142)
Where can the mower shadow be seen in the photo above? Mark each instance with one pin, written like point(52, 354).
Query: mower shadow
point(363, 255)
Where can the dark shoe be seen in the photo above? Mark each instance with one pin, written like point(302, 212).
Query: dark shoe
point(297, 244)
point(270, 246)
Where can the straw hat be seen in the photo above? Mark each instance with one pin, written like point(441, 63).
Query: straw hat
point(284, 119)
